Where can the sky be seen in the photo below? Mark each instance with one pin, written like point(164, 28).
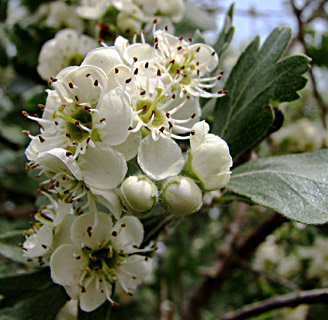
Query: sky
point(270, 14)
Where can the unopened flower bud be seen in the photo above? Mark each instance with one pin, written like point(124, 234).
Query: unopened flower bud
point(209, 159)
point(139, 194)
point(182, 196)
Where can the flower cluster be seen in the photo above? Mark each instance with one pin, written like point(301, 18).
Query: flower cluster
point(113, 144)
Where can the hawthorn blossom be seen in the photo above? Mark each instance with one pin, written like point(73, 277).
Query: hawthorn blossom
point(209, 158)
point(80, 111)
point(49, 230)
point(139, 194)
point(184, 65)
point(93, 9)
point(181, 196)
point(68, 48)
point(100, 255)
point(73, 179)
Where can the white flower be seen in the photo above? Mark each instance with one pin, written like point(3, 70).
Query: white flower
point(157, 109)
point(209, 158)
point(160, 159)
point(171, 8)
point(182, 196)
point(139, 193)
point(93, 9)
point(75, 178)
point(105, 58)
point(268, 255)
point(318, 256)
point(183, 65)
point(69, 311)
point(38, 242)
point(80, 111)
point(68, 48)
point(100, 255)
point(48, 230)
point(58, 14)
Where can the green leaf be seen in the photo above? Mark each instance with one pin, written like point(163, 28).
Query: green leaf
point(226, 33)
point(44, 305)
point(103, 312)
point(244, 115)
point(294, 185)
point(31, 296)
point(17, 287)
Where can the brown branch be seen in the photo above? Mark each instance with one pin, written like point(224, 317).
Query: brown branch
point(288, 300)
point(230, 253)
point(301, 38)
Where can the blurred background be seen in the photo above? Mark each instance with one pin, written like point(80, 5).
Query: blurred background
point(293, 257)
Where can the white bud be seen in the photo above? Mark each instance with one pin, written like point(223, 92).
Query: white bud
point(182, 196)
point(139, 194)
point(210, 158)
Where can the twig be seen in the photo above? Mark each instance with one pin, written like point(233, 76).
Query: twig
point(223, 267)
point(300, 36)
point(288, 300)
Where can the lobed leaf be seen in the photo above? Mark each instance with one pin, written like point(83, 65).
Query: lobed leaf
point(294, 185)
point(245, 114)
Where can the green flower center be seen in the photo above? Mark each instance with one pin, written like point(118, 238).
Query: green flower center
point(103, 259)
point(185, 69)
point(76, 132)
point(150, 110)
point(75, 60)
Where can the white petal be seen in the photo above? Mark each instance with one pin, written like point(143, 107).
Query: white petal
point(105, 58)
point(92, 298)
point(130, 146)
point(134, 270)
point(110, 200)
point(36, 146)
point(138, 50)
point(204, 56)
point(56, 160)
point(160, 159)
point(66, 269)
point(216, 182)
point(115, 107)
point(102, 167)
point(83, 79)
point(91, 229)
point(129, 233)
point(63, 232)
point(39, 243)
point(201, 129)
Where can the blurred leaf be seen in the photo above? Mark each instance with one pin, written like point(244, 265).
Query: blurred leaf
point(43, 305)
point(16, 287)
point(3, 10)
point(103, 312)
point(245, 114)
point(293, 185)
point(226, 33)
point(319, 54)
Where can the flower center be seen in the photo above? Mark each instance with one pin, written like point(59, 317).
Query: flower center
point(105, 259)
point(148, 111)
point(79, 119)
point(75, 60)
point(185, 68)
